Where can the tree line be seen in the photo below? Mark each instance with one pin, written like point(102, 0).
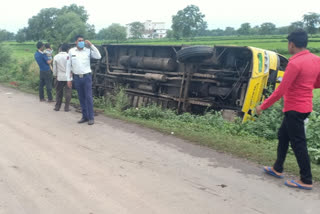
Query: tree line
point(61, 25)
point(190, 22)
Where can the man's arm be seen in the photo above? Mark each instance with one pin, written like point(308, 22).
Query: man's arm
point(55, 67)
point(317, 83)
point(68, 70)
point(289, 77)
point(95, 54)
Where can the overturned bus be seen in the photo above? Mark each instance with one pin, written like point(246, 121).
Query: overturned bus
point(190, 79)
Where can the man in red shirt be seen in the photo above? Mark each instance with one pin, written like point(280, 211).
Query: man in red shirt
point(299, 80)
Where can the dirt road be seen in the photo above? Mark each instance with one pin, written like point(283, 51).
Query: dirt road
point(49, 164)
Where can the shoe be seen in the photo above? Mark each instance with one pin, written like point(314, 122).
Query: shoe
point(90, 122)
point(56, 109)
point(43, 100)
point(83, 120)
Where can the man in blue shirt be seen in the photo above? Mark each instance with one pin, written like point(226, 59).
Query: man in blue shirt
point(45, 72)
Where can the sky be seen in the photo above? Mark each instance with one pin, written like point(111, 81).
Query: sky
point(218, 13)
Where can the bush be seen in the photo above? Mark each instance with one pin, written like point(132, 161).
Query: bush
point(267, 124)
point(117, 100)
point(19, 74)
point(5, 56)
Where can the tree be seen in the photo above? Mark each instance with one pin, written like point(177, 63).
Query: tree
point(217, 32)
point(90, 31)
point(41, 25)
point(207, 32)
point(267, 28)
point(229, 31)
point(244, 29)
point(102, 34)
point(22, 35)
point(283, 30)
point(170, 34)
point(255, 30)
point(79, 10)
point(295, 25)
point(136, 30)
point(311, 21)
point(188, 22)
point(113, 32)
point(202, 30)
point(6, 35)
point(66, 27)
point(58, 25)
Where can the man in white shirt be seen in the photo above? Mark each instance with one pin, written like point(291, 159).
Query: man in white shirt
point(79, 63)
point(59, 71)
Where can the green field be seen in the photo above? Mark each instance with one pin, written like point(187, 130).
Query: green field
point(276, 43)
point(22, 50)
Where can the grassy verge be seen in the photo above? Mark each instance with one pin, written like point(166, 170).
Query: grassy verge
point(253, 148)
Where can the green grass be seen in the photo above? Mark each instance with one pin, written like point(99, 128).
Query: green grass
point(24, 50)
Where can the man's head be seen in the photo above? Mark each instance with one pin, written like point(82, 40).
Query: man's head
point(64, 47)
point(40, 46)
point(297, 41)
point(80, 41)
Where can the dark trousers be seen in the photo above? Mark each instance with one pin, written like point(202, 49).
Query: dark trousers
point(60, 87)
point(84, 89)
point(292, 130)
point(45, 80)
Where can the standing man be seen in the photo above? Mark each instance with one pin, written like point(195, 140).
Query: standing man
point(59, 71)
point(45, 72)
point(79, 63)
point(299, 79)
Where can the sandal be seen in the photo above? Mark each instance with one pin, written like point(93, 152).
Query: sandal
point(295, 184)
point(270, 171)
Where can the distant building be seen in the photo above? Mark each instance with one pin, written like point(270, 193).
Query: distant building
point(153, 30)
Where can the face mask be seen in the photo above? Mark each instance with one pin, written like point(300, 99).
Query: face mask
point(81, 44)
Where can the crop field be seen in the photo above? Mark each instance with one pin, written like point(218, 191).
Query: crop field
point(274, 43)
point(278, 44)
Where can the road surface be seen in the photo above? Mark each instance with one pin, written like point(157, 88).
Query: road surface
point(49, 164)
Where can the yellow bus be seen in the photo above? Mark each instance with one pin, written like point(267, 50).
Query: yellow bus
point(196, 79)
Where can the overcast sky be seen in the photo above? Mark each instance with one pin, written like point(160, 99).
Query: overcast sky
point(218, 13)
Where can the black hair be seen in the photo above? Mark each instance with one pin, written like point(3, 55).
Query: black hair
point(39, 45)
point(299, 38)
point(77, 37)
point(47, 45)
point(64, 47)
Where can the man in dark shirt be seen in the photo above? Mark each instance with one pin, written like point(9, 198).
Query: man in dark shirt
point(45, 72)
